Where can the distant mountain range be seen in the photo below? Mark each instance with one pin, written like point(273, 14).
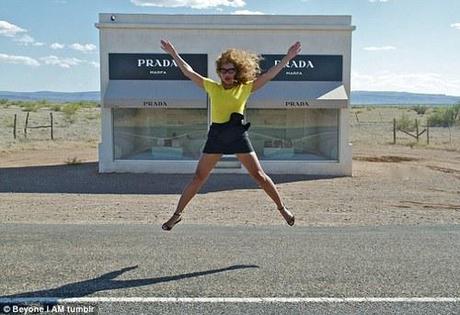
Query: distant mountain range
point(401, 98)
point(357, 97)
point(51, 96)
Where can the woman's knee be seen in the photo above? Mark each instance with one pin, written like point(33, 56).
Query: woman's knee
point(200, 177)
point(260, 176)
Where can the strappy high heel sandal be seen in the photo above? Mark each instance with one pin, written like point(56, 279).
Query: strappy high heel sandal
point(289, 217)
point(168, 225)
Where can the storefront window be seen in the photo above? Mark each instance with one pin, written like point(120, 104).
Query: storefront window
point(159, 134)
point(294, 134)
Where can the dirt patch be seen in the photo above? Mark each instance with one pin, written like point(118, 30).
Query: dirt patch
point(418, 184)
point(444, 169)
point(429, 205)
point(385, 158)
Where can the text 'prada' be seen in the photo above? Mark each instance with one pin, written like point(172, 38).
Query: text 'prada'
point(297, 64)
point(297, 103)
point(163, 63)
point(156, 103)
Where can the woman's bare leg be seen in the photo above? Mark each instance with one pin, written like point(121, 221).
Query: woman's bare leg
point(252, 164)
point(203, 169)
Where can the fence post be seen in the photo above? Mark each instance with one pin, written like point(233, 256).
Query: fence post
point(14, 127)
point(428, 131)
point(450, 134)
point(25, 126)
point(51, 118)
point(394, 130)
point(416, 128)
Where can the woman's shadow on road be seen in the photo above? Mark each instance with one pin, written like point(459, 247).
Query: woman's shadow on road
point(103, 283)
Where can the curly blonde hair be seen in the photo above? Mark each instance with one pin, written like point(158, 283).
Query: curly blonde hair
point(246, 64)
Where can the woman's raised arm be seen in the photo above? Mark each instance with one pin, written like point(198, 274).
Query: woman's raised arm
point(273, 71)
point(186, 69)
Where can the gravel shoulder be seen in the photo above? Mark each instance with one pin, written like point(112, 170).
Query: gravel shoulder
point(391, 184)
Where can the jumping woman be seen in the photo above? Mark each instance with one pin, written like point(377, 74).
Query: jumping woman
point(239, 73)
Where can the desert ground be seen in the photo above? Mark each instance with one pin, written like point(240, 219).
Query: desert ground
point(403, 183)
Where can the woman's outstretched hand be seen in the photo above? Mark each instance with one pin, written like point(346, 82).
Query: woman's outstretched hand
point(168, 47)
point(294, 50)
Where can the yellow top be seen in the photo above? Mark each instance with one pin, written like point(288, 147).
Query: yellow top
point(226, 101)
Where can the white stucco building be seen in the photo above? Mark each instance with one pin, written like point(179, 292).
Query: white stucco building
point(155, 120)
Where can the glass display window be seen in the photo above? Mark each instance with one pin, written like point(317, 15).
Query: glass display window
point(294, 134)
point(159, 134)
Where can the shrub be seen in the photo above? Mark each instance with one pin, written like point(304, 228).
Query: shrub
point(83, 104)
point(405, 123)
point(445, 117)
point(29, 106)
point(56, 108)
point(419, 109)
point(5, 102)
point(69, 111)
point(456, 111)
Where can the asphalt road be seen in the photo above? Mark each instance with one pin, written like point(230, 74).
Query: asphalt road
point(200, 261)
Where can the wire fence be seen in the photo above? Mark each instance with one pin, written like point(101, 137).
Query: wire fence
point(380, 126)
point(369, 126)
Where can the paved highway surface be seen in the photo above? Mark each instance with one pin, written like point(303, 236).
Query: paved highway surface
point(293, 266)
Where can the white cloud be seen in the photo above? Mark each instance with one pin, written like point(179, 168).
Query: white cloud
point(17, 34)
point(86, 48)
point(406, 82)
point(49, 60)
point(56, 46)
point(27, 40)
point(195, 4)
point(4, 58)
point(10, 30)
point(374, 48)
point(247, 12)
point(83, 48)
point(61, 62)
point(455, 25)
point(66, 62)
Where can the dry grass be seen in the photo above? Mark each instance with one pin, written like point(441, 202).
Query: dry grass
point(406, 183)
point(82, 127)
point(384, 158)
point(373, 126)
point(73, 161)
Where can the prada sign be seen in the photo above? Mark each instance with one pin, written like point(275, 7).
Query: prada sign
point(153, 66)
point(296, 103)
point(155, 104)
point(306, 67)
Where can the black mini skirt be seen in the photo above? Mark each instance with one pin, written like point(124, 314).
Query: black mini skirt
point(229, 138)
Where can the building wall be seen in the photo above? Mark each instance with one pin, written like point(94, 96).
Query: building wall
point(212, 34)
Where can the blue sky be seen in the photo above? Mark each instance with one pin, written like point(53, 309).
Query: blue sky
point(399, 45)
